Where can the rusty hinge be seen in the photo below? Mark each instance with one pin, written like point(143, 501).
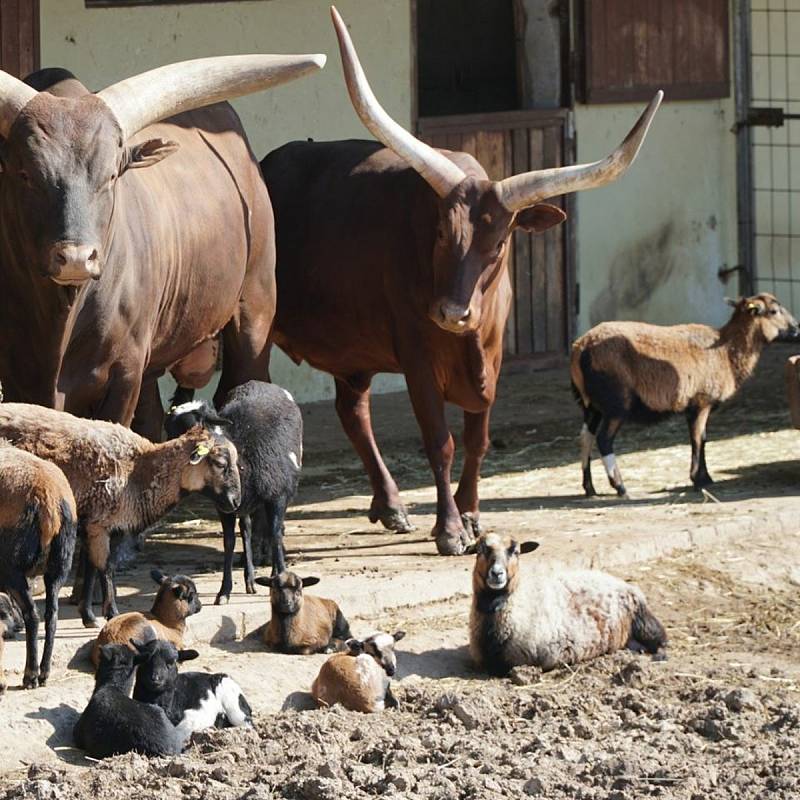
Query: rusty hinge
point(766, 117)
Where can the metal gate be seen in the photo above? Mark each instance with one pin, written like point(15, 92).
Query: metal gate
point(768, 111)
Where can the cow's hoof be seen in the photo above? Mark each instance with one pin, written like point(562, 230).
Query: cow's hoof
point(472, 525)
point(393, 519)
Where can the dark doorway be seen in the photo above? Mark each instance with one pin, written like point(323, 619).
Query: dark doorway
point(19, 36)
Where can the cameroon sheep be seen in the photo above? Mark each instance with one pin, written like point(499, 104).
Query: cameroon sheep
point(641, 372)
point(266, 425)
point(113, 723)
point(122, 482)
point(360, 678)
point(176, 600)
point(547, 620)
point(299, 624)
point(193, 701)
point(37, 537)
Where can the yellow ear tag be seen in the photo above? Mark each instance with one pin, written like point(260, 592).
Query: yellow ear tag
point(200, 452)
point(751, 306)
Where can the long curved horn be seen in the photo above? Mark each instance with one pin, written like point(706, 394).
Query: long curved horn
point(441, 173)
point(151, 96)
point(14, 96)
point(521, 191)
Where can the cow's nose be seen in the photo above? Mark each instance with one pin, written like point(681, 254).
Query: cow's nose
point(454, 314)
point(74, 263)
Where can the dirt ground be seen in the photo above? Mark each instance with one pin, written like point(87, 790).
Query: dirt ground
point(720, 717)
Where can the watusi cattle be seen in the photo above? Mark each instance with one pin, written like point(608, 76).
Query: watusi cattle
point(133, 229)
point(392, 258)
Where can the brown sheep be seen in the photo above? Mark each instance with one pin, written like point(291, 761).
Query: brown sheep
point(122, 482)
point(360, 679)
point(37, 537)
point(175, 600)
point(634, 371)
point(302, 625)
point(547, 619)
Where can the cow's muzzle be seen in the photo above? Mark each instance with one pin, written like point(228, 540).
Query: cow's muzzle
point(453, 317)
point(73, 264)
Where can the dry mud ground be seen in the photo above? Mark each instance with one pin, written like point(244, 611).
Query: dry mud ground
point(719, 718)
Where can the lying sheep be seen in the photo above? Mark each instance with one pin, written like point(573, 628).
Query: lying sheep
point(265, 424)
point(193, 701)
point(113, 723)
point(122, 482)
point(176, 600)
point(302, 625)
point(37, 537)
point(10, 624)
point(635, 371)
point(548, 620)
point(360, 678)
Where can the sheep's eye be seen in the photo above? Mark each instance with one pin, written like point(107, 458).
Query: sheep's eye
point(219, 464)
point(773, 311)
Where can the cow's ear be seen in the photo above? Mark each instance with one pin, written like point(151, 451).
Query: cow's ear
point(147, 153)
point(539, 218)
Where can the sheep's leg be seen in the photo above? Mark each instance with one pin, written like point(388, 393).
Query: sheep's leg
point(21, 593)
point(476, 443)
point(2, 670)
point(89, 576)
point(246, 530)
point(352, 406)
point(229, 542)
point(389, 700)
point(606, 432)
point(275, 513)
point(591, 421)
point(50, 622)
point(109, 591)
point(697, 418)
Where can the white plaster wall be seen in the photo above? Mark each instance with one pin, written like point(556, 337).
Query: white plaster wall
point(101, 45)
point(650, 245)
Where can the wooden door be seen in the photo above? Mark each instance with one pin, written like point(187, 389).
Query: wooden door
point(540, 326)
point(19, 36)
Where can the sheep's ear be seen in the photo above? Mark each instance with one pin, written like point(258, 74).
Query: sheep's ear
point(528, 547)
point(731, 302)
point(398, 635)
point(158, 576)
point(354, 647)
point(310, 581)
point(264, 582)
point(212, 418)
point(188, 655)
point(200, 452)
point(136, 645)
point(107, 652)
point(513, 548)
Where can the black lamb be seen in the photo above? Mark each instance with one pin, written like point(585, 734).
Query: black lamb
point(113, 723)
point(265, 424)
point(192, 701)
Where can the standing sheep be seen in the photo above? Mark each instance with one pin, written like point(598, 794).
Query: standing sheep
point(641, 372)
point(360, 679)
point(37, 537)
point(122, 482)
point(548, 620)
point(265, 424)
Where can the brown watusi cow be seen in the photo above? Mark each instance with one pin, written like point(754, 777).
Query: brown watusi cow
point(393, 259)
point(117, 267)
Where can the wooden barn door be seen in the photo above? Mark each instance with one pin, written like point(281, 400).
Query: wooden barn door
point(481, 89)
point(19, 36)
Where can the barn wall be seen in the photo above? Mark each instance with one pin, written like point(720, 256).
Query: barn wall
point(102, 45)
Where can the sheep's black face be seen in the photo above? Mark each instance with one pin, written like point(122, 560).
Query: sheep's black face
point(184, 590)
point(160, 666)
point(286, 593)
point(10, 619)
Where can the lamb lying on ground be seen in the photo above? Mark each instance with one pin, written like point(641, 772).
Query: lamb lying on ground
point(302, 624)
point(546, 620)
point(10, 623)
point(360, 679)
point(113, 723)
point(193, 701)
point(176, 600)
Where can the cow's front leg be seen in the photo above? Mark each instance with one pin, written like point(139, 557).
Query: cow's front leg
point(428, 403)
point(148, 418)
point(476, 443)
point(352, 406)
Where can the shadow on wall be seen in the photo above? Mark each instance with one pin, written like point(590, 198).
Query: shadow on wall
point(634, 276)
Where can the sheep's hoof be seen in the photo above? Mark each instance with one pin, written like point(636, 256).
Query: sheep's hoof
point(43, 676)
point(393, 519)
point(222, 599)
point(701, 481)
point(2, 688)
point(589, 490)
point(30, 681)
point(89, 621)
point(249, 587)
